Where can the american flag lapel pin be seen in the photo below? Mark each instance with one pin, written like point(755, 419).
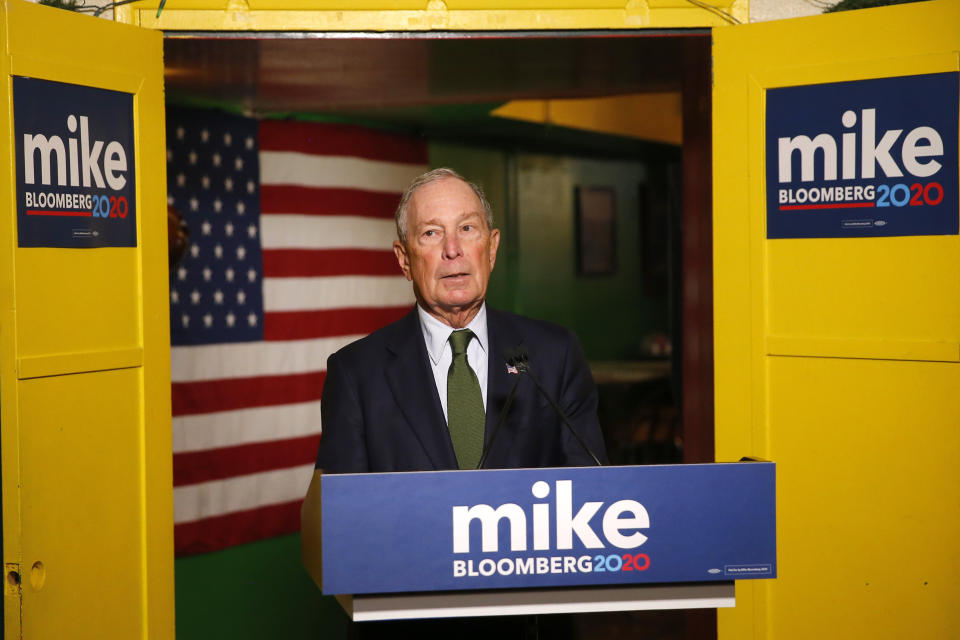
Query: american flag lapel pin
point(512, 369)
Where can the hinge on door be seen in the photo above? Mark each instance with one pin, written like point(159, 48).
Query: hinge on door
point(11, 579)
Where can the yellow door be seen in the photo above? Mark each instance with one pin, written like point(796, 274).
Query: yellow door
point(837, 314)
point(84, 343)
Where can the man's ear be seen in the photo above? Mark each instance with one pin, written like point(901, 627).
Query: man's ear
point(494, 244)
point(402, 259)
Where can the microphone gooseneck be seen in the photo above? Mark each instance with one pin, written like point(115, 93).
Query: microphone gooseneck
point(563, 416)
point(519, 359)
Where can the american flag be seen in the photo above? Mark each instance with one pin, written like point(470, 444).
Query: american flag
point(290, 231)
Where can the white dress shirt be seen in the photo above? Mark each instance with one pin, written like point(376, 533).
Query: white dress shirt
point(436, 335)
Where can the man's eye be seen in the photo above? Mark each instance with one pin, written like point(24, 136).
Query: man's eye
point(430, 233)
point(468, 227)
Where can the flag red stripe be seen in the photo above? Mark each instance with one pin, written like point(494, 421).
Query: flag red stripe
point(325, 323)
point(341, 140)
point(216, 464)
point(213, 534)
point(209, 396)
point(307, 263)
point(326, 201)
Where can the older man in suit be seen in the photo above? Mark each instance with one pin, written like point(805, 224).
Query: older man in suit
point(426, 392)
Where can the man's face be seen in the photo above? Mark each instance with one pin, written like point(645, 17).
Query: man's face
point(449, 252)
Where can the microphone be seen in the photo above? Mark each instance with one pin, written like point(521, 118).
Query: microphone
point(519, 359)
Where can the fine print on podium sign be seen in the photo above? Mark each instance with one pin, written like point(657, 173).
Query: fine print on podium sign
point(533, 528)
point(864, 158)
point(74, 165)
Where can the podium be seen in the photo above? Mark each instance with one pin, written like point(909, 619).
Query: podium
point(535, 541)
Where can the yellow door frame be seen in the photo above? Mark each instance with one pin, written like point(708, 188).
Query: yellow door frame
point(87, 491)
point(838, 357)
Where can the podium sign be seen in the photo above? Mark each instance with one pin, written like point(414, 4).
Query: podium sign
point(535, 528)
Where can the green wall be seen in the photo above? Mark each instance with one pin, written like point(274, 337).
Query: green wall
point(608, 312)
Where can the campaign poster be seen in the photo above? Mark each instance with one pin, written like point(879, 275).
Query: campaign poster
point(75, 165)
point(865, 158)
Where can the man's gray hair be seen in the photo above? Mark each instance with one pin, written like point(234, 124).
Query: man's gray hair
point(433, 176)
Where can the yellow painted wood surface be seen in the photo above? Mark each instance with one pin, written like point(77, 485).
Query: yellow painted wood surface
point(85, 368)
point(428, 15)
point(839, 359)
point(657, 117)
point(82, 505)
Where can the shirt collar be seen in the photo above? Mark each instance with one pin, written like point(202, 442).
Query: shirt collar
point(436, 334)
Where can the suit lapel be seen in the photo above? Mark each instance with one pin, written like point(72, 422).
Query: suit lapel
point(411, 382)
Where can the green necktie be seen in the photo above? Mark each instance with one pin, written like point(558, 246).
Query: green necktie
point(465, 414)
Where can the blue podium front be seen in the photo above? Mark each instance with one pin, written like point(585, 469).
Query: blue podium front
point(536, 529)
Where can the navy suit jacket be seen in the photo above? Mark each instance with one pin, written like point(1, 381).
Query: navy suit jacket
point(381, 411)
